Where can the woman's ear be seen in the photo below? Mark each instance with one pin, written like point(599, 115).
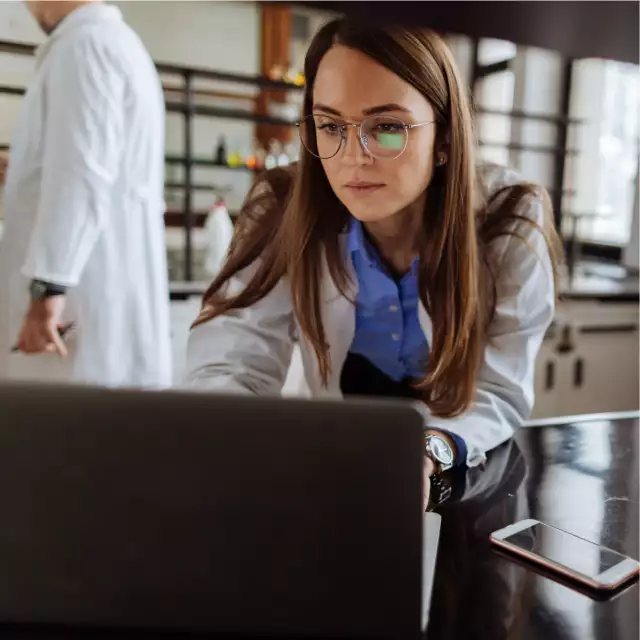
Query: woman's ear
point(442, 146)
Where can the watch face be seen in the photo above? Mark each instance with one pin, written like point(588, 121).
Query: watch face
point(441, 450)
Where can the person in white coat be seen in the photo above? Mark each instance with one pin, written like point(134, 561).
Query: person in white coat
point(401, 266)
point(83, 247)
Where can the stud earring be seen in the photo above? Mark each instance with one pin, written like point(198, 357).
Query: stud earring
point(442, 159)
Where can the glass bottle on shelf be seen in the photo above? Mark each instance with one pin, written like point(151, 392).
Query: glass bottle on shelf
point(271, 160)
point(250, 160)
point(276, 72)
point(235, 158)
point(293, 152)
point(221, 152)
point(283, 159)
point(219, 232)
point(261, 156)
point(290, 75)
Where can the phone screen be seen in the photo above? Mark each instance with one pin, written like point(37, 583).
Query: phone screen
point(565, 549)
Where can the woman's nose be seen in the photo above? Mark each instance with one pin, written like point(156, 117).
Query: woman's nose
point(354, 150)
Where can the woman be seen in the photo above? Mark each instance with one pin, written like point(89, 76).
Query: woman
point(401, 269)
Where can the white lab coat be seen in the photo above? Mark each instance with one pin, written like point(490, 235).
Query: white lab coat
point(249, 350)
point(84, 206)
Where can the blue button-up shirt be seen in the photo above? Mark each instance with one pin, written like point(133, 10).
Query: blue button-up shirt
point(388, 331)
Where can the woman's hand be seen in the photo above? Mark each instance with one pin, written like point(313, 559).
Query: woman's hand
point(428, 470)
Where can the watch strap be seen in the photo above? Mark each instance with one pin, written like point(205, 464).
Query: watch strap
point(447, 487)
point(39, 289)
point(441, 490)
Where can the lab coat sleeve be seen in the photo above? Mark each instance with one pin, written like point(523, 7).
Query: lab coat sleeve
point(245, 350)
point(524, 311)
point(83, 144)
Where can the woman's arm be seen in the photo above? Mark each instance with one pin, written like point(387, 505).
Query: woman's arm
point(245, 350)
point(524, 310)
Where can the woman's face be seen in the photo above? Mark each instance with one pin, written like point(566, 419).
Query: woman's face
point(349, 87)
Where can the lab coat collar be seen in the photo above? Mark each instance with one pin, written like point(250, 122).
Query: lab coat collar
point(86, 14)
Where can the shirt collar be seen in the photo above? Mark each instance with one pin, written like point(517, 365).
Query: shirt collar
point(357, 242)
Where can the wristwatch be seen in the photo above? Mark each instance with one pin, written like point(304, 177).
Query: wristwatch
point(440, 452)
point(39, 290)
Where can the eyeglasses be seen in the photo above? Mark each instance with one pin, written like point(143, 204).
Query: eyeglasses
point(383, 137)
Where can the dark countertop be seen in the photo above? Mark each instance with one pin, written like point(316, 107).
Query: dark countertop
point(580, 476)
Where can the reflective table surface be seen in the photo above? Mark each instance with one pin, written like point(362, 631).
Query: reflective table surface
point(580, 476)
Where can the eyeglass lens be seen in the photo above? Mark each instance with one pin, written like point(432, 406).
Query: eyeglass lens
point(382, 136)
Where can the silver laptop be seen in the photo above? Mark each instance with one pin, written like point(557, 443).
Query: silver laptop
point(211, 513)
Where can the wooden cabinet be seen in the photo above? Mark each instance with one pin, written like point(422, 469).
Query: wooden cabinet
point(546, 379)
point(603, 372)
point(589, 361)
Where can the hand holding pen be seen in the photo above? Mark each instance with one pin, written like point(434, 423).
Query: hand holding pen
point(43, 328)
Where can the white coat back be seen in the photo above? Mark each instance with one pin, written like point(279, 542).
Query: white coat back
point(84, 206)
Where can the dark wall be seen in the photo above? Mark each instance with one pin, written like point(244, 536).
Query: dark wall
point(578, 29)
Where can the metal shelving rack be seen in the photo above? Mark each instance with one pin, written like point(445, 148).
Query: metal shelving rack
point(186, 106)
point(189, 109)
point(558, 152)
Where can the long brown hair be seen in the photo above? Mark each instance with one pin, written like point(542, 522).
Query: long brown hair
point(291, 222)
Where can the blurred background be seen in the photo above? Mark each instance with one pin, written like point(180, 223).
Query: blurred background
point(556, 91)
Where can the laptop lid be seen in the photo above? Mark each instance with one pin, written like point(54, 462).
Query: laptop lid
point(206, 512)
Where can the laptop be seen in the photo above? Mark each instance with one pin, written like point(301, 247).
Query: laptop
point(211, 514)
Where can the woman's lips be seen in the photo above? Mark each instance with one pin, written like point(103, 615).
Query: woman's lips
point(363, 188)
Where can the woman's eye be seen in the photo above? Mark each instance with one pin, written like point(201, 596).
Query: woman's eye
point(329, 128)
point(388, 127)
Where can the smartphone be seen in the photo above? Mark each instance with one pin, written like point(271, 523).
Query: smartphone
point(599, 595)
point(589, 564)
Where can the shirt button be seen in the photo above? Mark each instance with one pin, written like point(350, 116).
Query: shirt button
point(393, 308)
point(395, 337)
